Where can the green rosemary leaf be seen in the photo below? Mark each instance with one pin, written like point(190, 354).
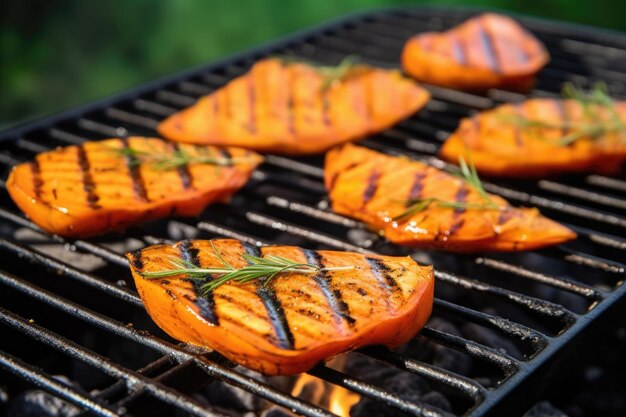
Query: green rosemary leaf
point(262, 268)
point(467, 172)
point(171, 160)
point(336, 74)
point(596, 105)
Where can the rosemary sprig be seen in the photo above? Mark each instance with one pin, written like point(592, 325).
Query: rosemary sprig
point(264, 268)
point(167, 161)
point(467, 172)
point(332, 75)
point(595, 104)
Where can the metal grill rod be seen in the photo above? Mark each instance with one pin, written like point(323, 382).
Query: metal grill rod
point(180, 355)
point(134, 381)
point(53, 386)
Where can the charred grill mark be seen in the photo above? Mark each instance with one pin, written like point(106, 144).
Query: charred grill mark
point(325, 107)
point(284, 337)
point(135, 174)
point(183, 171)
point(418, 185)
point(337, 174)
point(88, 183)
point(372, 186)
point(35, 170)
point(505, 216)
point(136, 260)
point(251, 250)
point(456, 226)
point(290, 102)
point(562, 110)
point(252, 105)
point(488, 46)
point(170, 294)
point(459, 197)
point(458, 50)
point(205, 301)
point(340, 308)
point(382, 273)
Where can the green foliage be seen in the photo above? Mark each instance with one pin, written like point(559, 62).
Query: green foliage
point(55, 55)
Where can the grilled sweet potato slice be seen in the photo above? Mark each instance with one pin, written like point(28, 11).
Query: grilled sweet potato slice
point(112, 184)
point(531, 139)
point(297, 320)
point(487, 51)
point(375, 188)
point(293, 108)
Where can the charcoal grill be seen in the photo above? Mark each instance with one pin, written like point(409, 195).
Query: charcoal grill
point(549, 304)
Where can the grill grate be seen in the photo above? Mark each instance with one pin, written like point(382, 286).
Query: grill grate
point(545, 304)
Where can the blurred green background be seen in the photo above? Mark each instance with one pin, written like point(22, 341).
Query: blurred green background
point(59, 54)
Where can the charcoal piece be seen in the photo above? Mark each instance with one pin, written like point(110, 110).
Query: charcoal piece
point(437, 399)
point(37, 403)
point(544, 409)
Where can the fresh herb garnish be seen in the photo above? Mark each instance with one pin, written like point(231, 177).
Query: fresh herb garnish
point(263, 268)
point(171, 160)
point(600, 117)
point(332, 75)
point(467, 172)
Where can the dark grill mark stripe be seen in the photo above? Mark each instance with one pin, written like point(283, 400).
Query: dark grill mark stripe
point(88, 183)
point(325, 107)
point(183, 171)
point(417, 186)
point(562, 110)
point(372, 186)
point(284, 337)
point(337, 174)
point(135, 173)
point(136, 260)
point(488, 46)
point(460, 197)
point(35, 170)
point(506, 215)
point(458, 50)
point(291, 128)
point(334, 297)
point(382, 273)
point(251, 250)
point(251, 104)
point(204, 301)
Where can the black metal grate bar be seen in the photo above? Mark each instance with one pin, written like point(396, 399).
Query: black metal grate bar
point(134, 381)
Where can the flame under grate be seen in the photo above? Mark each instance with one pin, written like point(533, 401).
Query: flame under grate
point(501, 326)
